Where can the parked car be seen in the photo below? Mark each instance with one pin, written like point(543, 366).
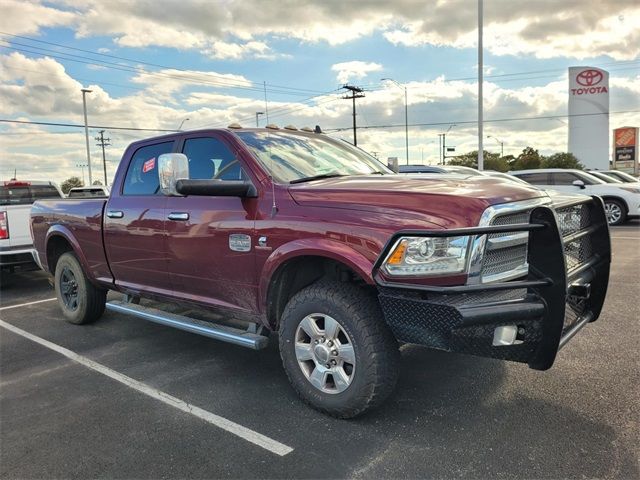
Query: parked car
point(438, 169)
point(621, 201)
point(305, 235)
point(624, 177)
point(16, 197)
point(605, 178)
point(92, 191)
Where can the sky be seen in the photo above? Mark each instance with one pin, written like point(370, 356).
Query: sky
point(154, 65)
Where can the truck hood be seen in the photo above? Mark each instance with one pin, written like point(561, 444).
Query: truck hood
point(448, 200)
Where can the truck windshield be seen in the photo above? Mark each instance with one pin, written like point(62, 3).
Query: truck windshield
point(291, 157)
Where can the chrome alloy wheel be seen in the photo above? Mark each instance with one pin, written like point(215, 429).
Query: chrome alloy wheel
point(613, 211)
point(325, 353)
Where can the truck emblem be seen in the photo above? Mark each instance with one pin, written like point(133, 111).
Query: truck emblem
point(239, 242)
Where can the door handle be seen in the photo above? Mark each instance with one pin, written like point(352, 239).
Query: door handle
point(115, 213)
point(178, 216)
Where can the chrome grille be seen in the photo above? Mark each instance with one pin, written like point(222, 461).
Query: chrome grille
point(506, 253)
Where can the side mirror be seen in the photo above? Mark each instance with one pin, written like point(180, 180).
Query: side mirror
point(171, 168)
point(216, 188)
point(579, 183)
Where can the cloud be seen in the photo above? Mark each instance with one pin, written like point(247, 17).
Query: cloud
point(354, 70)
point(243, 29)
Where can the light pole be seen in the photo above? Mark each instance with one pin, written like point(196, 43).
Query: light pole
point(258, 114)
point(443, 144)
point(480, 82)
point(182, 123)
point(501, 145)
point(86, 130)
point(81, 165)
point(406, 114)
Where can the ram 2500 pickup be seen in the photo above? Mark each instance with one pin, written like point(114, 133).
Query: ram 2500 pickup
point(294, 232)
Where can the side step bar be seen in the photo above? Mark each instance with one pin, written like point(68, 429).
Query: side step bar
point(236, 336)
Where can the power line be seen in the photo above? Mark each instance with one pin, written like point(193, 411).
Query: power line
point(227, 80)
point(58, 124)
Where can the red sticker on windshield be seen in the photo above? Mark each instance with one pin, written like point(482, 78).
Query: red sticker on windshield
point(149, 165)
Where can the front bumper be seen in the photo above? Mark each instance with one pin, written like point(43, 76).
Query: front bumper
point(564, 290)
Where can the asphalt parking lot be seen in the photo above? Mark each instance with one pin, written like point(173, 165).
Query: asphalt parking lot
point(452, 416)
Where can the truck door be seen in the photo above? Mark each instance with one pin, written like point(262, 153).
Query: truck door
point(211, 240)
point(134, 224)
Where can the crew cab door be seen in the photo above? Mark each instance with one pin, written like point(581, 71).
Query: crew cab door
point(134, 224)
point(211, 240)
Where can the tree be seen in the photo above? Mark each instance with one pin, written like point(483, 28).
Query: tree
point(492, 161)
point(70, 183)
point(96, 182)
point(529, 158)
point(562, 160)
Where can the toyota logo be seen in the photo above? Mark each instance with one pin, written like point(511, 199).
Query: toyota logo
point(588, 78)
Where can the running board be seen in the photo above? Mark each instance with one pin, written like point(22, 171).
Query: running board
point(236, 336)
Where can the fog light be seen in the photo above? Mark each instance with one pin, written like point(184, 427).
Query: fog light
point(506, 335)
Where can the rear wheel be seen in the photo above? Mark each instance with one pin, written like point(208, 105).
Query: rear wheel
point(615, 210)
point(80, 301)
point(337, 351)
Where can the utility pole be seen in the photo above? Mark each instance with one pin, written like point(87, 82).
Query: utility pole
point(86, 129)
point(480, 98)
point(103, 142)
point(356, 92)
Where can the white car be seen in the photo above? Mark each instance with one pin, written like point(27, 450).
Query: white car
point(621, 201)
point(16, 197)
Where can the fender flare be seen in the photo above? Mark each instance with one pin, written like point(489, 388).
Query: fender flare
point(64, 232)
point(317, 247)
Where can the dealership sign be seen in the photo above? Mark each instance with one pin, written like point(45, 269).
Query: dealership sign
point(625, 149)
point(589, 116)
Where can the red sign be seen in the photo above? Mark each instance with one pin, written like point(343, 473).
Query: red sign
point(625, 137)
point(589, 78)
point(149, 165)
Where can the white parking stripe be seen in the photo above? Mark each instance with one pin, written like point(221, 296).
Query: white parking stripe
point(221, 422)
point(27, 304)
point(625, 238)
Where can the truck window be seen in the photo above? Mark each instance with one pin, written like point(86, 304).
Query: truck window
point(142, 175)
point(26, 194)
point(210, 158)
point(40, 192)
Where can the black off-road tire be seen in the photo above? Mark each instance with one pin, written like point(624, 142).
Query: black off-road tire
point(90, 300)
point(618, 207)
point(376, 350)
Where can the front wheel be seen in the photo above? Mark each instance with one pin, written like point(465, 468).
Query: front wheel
point(616, 212)
point(337, 351)
point(80, 301)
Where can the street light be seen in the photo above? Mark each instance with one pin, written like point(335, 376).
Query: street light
point(182, 123)
point(257, 114)
point(406, 113)
point(443, 142)
point(501, 145)
point(81, 165)
point(86, 130)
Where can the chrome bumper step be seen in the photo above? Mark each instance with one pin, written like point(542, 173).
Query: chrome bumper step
point(236, 336)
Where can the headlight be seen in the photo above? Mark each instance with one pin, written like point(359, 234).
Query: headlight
point(428, 256)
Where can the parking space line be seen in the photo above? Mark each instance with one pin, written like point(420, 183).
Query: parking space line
point(625, 238)
point(220, 422)
point(27, 304)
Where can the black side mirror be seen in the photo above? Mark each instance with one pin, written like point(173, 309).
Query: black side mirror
point(216, 188)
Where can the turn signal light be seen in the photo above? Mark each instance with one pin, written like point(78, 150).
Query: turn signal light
point(396, 257)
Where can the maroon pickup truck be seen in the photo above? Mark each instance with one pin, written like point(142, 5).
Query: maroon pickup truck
point(277, 230)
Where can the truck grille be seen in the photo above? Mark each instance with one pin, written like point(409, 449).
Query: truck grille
point(506, 253)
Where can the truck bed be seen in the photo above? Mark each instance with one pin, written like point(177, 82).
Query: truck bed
point(79, 221)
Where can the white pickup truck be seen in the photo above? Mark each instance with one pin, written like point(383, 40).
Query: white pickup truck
point(16, 198)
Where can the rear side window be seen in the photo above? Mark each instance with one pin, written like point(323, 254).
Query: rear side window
point(26, 195)
point(142, 175)
point(210, 158)
point(563, 178)
point(534, 178)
